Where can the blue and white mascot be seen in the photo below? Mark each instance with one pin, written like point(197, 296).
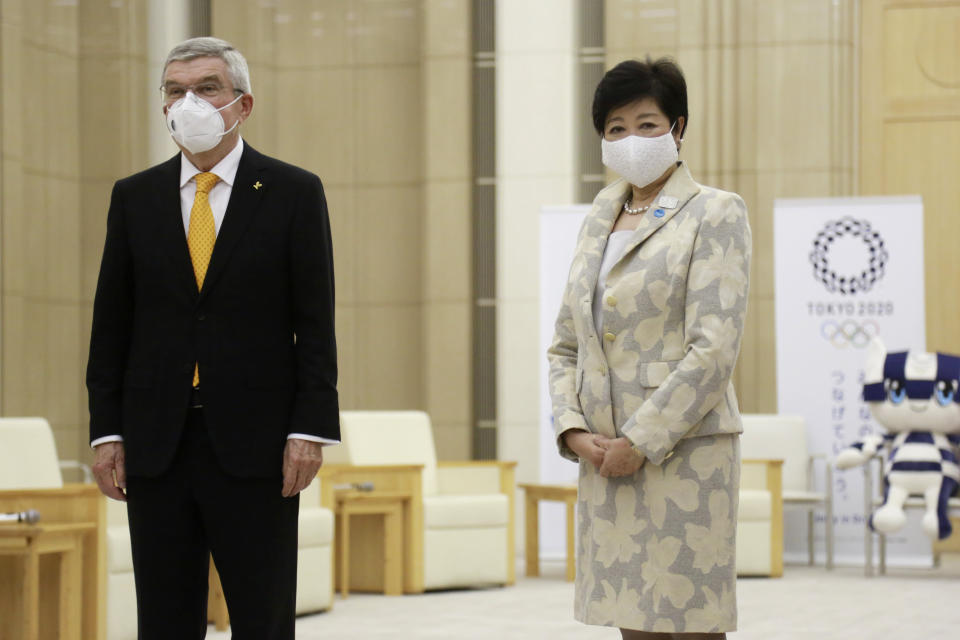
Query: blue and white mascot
point(914, 395)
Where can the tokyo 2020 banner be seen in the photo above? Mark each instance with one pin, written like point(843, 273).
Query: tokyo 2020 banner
point(558, 240)
point(846, 270)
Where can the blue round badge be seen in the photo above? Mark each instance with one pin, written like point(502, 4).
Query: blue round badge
point(659, 213)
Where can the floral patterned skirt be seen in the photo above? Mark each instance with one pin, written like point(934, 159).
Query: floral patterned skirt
point(656, 550)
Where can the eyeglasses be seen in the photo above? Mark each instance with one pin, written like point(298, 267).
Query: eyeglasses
point(173, 92)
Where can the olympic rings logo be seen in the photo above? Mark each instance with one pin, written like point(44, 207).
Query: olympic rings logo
point(848, 333)
point(848, 283)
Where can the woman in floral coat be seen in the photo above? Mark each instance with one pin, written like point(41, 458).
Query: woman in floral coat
point(640, 366)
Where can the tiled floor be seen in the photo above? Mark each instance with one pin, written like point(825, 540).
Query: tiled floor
point(805, 603)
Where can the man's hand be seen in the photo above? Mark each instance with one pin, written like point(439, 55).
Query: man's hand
point(301, 461)
point(584, 444)
point(110, 470)
point(619, 458)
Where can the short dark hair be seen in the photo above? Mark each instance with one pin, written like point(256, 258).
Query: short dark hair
point(633, 80)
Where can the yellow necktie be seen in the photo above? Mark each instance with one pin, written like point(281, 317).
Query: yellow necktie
point(201, 236)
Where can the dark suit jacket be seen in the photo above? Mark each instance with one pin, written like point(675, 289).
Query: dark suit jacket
point(262, 328)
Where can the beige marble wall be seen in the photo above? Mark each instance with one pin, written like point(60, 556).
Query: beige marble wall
point(373, 96)
point(72, 108)
point(771, 87)
point(169, 22)
point(446, 71)
point(536, 165)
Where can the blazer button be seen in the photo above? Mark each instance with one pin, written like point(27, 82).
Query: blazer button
point(612, 301)
point(609, 337)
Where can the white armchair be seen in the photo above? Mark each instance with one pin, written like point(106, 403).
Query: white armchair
point(785, 437)
point(28, 455)
point(458, 521)
point(30, 478)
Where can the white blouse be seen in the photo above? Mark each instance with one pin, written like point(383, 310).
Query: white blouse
point(616, 243)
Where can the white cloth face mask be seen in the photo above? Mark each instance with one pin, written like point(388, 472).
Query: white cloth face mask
point(640, 160)
point(195, 124)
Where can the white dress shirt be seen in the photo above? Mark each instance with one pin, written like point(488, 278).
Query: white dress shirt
point(218, 197)
point(616, 243)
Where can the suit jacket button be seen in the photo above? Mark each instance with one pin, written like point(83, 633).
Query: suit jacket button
point(612, 301)
point(201, 317)
point(609, 337)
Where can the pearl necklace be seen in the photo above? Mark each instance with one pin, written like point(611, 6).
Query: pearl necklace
point(633, 212)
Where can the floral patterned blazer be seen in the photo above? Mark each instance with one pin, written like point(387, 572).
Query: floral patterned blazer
point(659, 368)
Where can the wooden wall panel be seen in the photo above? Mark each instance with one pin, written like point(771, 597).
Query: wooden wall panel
point(771, 95)
point(64, 68)
point(373, 97)
point(910, 134)
point(321, 73)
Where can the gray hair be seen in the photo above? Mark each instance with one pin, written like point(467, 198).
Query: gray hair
point(213, 48)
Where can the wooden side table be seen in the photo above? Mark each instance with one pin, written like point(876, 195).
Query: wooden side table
point(28, 543)
point(73, 503)
point(390, 505)
point(534, 493)
point(402, 480)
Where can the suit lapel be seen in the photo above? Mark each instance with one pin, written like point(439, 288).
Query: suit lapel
point(674, 195)
point(602, 218)
point(244, 200)
point(593, 243)
point(172, 234)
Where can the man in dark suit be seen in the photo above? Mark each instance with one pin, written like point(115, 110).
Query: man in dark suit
point(212, 371)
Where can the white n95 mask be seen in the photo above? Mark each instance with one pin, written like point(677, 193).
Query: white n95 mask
point(195, 124)
point(640, 160)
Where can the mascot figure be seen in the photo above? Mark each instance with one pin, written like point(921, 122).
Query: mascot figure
point(915, 397)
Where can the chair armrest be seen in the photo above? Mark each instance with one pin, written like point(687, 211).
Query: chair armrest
point(83, 468)
point(768, 474)
point(828, 471)
point(475, 477)
point(757, 473)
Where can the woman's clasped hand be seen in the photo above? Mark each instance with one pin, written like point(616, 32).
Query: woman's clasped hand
point(612, 457)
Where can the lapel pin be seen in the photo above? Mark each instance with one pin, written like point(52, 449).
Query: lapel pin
point(659, 213)
point(668, 202)
point(257, 185)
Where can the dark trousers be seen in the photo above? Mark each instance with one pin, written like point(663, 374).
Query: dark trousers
point(194, 509)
